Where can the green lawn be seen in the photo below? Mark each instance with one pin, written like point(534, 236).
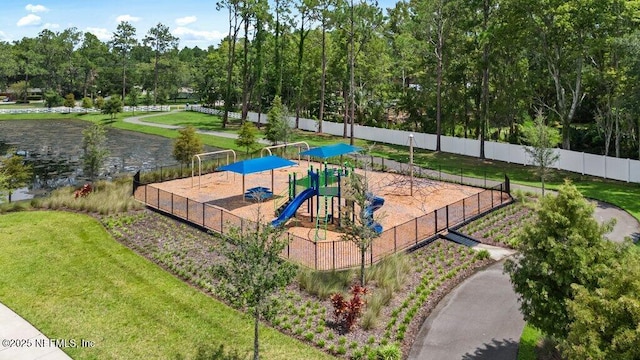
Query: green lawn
point(65, 274)
point(528, 342)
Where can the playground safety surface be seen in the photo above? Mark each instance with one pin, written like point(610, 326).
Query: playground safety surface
point(224, 190)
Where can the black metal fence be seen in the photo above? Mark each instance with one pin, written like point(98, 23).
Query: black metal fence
point(339, 254)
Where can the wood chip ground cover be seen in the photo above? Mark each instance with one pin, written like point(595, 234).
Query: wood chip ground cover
point(190, 254)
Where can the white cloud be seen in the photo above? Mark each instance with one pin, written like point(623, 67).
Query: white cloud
point(29, 20)
point(3, 36)
point(36, 8)
point(100, 33)
point(50, 26)
point(128, 18)
point(186, 34)
point(186, 20)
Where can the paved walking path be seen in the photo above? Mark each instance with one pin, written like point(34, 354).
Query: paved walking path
point(480, 319)
point(138, 120)
point(21, 341)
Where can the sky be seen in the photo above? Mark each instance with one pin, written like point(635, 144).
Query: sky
point(194, 22)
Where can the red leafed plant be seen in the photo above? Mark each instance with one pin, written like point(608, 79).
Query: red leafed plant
point(84, 191)
point(347, 312)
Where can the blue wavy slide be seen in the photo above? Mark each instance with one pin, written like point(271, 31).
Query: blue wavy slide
point(291, 209)
point(376, 203)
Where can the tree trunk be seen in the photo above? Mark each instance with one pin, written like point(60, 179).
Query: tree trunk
point(363, 252)
point(256, 326)
point(352, 100)
point(485, 81)
point(245, 71)
point(155, 79)
point(323, 79)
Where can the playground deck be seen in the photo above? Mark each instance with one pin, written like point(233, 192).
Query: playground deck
point(224, 190)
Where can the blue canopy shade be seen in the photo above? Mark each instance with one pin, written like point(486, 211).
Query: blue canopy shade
point(331, 150)
point(257, 165)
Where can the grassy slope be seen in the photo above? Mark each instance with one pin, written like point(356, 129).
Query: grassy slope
point(64, 273)
point(528, 342)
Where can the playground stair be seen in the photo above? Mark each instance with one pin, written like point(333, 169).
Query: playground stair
point(460, 238)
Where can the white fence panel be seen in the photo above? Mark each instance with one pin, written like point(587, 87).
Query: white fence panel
point(617, 168)
point(570, 160)
point(634, 171)
point(501, 151)
point(472, 147)
point(448, 144)
point(594, 165)
point(614, 168)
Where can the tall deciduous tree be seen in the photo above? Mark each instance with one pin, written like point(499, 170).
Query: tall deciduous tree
point(159, 38)
point(235, 22)
point(122, 42)
point(561, 246)
point(253, 269)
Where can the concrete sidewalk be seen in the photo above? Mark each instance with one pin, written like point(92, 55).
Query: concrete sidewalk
point(21, 341)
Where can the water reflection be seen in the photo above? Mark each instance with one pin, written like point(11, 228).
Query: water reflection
point(54, 149)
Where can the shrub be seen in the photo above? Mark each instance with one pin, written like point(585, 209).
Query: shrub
point(347, 312)
point(482, 254)
point(389, 352)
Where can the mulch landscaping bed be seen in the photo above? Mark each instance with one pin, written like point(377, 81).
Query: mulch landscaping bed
point(189, 253)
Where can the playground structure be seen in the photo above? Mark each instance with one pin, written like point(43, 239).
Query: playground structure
point(309, 201)
point(325, 187)
point(208, 154)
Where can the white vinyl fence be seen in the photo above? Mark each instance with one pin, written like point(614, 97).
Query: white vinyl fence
point(80, 110)
point(579, 162)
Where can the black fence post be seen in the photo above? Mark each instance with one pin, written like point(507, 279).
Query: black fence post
point(507, 184)
point(447, 216)
point(158, 201)
point(435, 231)
point(478, 196)
point(202, 213)
point(172, 204)
point(187, 208)
point(221, 221)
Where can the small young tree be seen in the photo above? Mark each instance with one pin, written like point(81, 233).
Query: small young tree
point(94, 147)
point(20, 91)
point(99, 103)
point(247, 136)
point(87, 103)
point(187, 145)
point(69, 101)
point(132, 98)
point(563, 245)
point(52, 99)
point(112, 106)
point(542, 140)
point(253, 269)
point(278, 128)
point(14, 173)
point(605, 319)
point(358, 229)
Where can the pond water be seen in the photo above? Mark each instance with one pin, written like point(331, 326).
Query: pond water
point(54, 149)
